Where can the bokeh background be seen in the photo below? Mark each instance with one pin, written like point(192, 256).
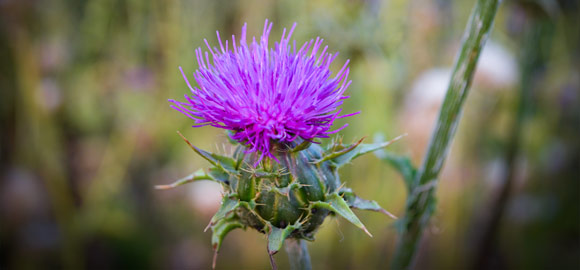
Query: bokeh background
point(87, 132)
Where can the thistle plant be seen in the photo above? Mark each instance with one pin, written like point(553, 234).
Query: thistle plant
point(274, 104)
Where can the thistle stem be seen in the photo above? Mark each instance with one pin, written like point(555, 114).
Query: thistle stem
point(298, 254)
point(421, 201)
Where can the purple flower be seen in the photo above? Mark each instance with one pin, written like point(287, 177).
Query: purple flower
point(266, 95)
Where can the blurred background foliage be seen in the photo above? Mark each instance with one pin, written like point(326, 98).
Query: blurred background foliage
point(87, 132)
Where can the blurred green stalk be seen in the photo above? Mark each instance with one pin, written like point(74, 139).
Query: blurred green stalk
point(421, 202)
point(36, 129)
point(536, 39)
point(297, 254)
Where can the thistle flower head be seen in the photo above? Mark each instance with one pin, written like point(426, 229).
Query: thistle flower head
point(266, 95)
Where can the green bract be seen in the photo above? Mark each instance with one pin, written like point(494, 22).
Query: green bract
point(287, 197)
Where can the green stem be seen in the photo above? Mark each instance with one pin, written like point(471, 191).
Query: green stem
point(298, 254)
point(421, 202)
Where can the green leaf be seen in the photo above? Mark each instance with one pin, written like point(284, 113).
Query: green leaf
point(220, 230)
point(402, 164)
point(338, 150)
point(336, 204)
point(227, 163)
point(198, 175)
point(305, 144)
point(347, 154)
point(219, 175)
point(215, 174)
point(230, 134)
point(276, 237)
point(228, 205)
point(239, 155)
point(355, 202)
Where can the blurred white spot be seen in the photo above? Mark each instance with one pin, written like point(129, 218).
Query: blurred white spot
point(428, 89)
point(205, 196)
point(54, 53)
point(495, 171)
point(497, 67)
point(50, 96)
point(422, 107)
point(21, 195)
point(526, 208)
point(139, 79)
